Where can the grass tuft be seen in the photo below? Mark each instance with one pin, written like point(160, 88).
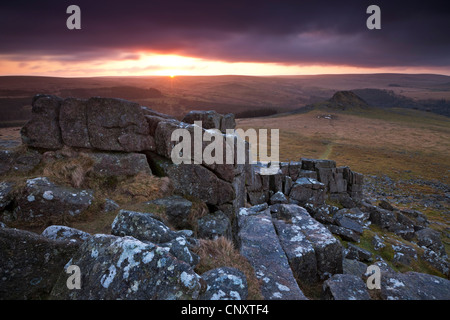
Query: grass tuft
point(221, 253)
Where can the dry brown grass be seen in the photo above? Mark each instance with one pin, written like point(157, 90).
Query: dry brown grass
point(382, 142)
point(221, 253)
point(72, 170)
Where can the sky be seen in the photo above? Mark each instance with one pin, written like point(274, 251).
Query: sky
point(216, 37)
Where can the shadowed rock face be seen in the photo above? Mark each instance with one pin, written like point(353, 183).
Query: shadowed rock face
point(43, 130)
point(30, 263)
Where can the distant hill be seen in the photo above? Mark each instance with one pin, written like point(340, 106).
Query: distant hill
point(345, 100)
point(364, 99)
point(389, 99)
point(122, 92)
point(340, 101)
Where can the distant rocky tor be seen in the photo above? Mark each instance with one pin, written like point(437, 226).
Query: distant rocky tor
point(302, 226)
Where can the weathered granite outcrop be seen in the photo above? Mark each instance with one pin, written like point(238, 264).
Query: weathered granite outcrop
point(138, 134)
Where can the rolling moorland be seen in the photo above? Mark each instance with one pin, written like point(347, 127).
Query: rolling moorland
point(394, 129)
point(244, 96)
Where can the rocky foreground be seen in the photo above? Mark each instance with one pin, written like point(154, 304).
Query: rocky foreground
point(306, 225)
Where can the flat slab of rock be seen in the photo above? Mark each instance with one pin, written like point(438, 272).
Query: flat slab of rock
point(299, 251)
point(345, 287)
point(327, 248)
point(414, 286)
point(260, 245)
point(119, 164)
point(125, 268)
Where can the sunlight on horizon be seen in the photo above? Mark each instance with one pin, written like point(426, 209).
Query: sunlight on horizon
point(149, 64)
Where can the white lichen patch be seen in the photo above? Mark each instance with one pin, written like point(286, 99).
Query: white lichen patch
point(48, 195)
point(235, 295)
point(148, 257)
point(130, 247)
point(395, 284)
point(188, 280)
point(277, 295)
point(218, 295)
point(106, 279)
point(282, 287)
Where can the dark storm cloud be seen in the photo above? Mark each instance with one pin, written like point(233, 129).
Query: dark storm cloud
point(292, 32)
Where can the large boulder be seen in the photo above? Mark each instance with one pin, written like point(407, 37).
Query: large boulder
point(147, 228)
point(209, 140)
point(30, 263)
point(125, 268)
point(43, 130)
point(42, 199)
point(260, 245)
point(142, 226)
point(117, 125)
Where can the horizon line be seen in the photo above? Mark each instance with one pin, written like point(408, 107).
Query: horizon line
point(231, 75)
